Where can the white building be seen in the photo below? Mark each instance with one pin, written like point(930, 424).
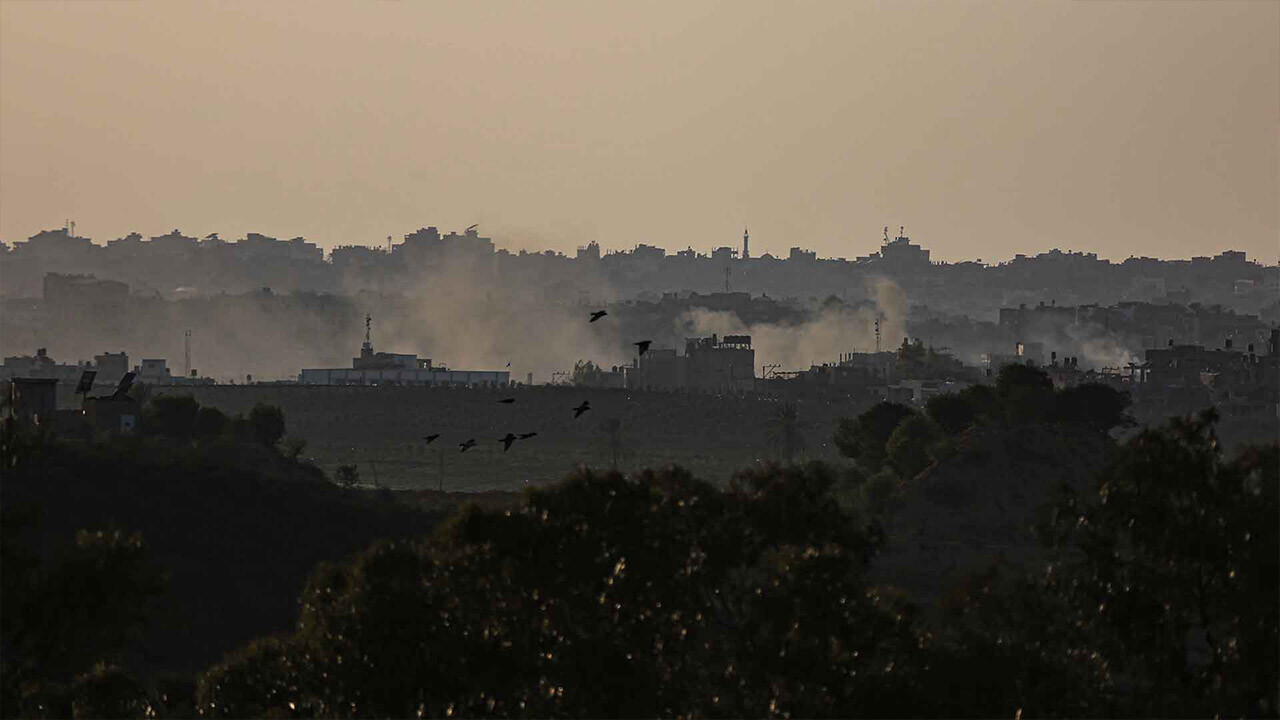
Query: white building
point(380, 368)
point(402, 376)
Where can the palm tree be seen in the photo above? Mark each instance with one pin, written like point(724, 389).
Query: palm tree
point(784, 431)
point(612, 428)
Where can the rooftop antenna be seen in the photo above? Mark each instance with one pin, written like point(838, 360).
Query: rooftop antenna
point(388, 243)
point(187, 351)
point(902, 231)
point(886, 233)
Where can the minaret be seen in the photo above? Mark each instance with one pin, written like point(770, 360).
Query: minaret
point(746, 244)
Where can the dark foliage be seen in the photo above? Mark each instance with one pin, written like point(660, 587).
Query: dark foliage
point(234, 527)
point(864, 437)
point(62, 618)
point(1093, 405)
point(266, 424)
point(1025, 393)
point(953, 412)
point(1156, 592)
point(602, 597)
point(1176, 573)
point(171, 416)
point(913, 446)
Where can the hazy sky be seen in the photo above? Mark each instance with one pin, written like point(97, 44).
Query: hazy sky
point(986, 128)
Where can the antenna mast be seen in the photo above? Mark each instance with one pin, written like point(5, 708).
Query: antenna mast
point(368, 325)
point(187, 342)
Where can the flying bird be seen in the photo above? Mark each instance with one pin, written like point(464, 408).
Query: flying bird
point(585, 406)
point(470, 443)
point(526, 436)
point(643, 345)
point(506, 441)
point(431, 438)
point(597, 315)
point(507, 401)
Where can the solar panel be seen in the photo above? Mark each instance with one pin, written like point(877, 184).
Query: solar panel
point(86, 381)
point(126, 382)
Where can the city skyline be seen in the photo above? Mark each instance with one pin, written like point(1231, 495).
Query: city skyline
point(988, 130)
point(702, 249)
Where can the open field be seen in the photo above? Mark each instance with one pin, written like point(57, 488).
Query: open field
point(380, 430)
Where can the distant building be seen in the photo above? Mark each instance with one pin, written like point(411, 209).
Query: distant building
point(114, 415)
point(720, 364)
point(709, 363)
point(154, 371)
point(62, 291)
point(379, 368)
point(34, 401)
point(899, 253)
point(589, 253)
point(802, 255)
point(111, 367)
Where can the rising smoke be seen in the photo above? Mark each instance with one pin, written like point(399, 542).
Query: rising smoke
point(835, 328)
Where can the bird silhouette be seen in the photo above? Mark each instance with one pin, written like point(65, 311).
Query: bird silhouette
point(597, 315)
point(470, 443)
point(506, 441)
point(526, 436)
point(643, 345)
point(585, 406)
point(507, 401)
point(431, 438)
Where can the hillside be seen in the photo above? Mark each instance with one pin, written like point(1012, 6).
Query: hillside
point(236, 528)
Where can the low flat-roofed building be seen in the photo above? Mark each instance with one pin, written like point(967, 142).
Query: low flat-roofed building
point(379, 368)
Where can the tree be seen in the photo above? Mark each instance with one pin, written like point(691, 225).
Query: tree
point(864, 437)
point(266, 424)
point(171, 416)
point(612, 429)
point(210, 423)
point(602, 597)
point(1174, 571)
point(1025, 393)
point(784, 430)
point(348, 476)
point(953, 412)
point(60, 621)
point(912, 446)
point(587, 374)
point(1093, 405)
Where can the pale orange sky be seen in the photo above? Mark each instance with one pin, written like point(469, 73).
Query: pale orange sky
point(986, 128)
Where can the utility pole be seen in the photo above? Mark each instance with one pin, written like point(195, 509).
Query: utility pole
point(186, 336)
